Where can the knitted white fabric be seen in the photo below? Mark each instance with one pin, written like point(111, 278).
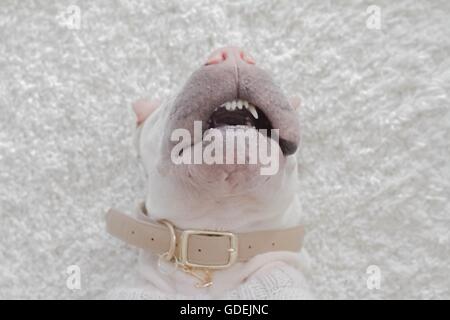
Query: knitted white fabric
point(277, 284)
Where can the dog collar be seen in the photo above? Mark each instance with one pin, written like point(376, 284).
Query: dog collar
point(202, 249)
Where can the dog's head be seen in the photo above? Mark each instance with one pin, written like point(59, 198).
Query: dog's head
point(222, 147)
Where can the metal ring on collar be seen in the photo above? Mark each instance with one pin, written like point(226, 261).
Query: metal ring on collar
point(173, 240)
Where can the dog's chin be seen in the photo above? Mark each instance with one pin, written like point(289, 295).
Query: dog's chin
point(244, 171)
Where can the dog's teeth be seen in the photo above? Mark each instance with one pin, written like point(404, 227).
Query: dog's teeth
point(253, 111)
point(239, 104)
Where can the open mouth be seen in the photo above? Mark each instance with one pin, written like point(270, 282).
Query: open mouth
point(239, 113)
point(248, 100)
point(242, 113)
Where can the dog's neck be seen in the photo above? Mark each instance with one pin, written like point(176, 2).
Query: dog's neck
point(235, 222)
point(239, 214)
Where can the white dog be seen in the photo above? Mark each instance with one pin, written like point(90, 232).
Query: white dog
point(228, 231)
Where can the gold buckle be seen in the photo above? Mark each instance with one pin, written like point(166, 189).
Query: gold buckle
point(232, 251)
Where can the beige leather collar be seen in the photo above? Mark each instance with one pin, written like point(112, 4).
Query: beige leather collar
point(200, 248)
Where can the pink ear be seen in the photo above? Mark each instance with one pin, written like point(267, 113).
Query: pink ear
point(295, 102)
point(143, 108)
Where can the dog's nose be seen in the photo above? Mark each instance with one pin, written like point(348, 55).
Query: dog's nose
point(229, 55)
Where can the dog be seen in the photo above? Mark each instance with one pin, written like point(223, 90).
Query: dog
point(220, 230)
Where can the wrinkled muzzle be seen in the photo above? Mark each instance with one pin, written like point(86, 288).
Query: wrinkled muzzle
point(231, 91)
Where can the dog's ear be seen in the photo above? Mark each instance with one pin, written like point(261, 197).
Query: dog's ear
point(143, 108)
point(295, 102)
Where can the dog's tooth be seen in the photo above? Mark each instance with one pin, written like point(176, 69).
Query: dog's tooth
point(228, 106)
point(233, 105)
point(245, 104)
point(239, 104)
point(253, 111)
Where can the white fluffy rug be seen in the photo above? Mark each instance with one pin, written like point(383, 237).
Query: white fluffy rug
point(375, 174)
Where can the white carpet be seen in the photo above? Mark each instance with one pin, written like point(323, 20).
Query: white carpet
point(375, 174)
